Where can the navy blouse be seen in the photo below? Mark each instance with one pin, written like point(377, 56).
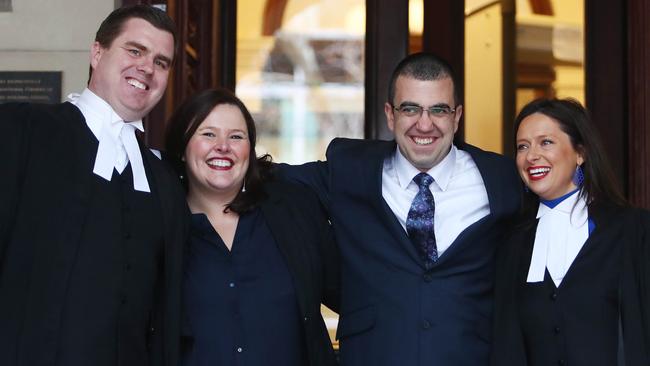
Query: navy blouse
point(240, 304)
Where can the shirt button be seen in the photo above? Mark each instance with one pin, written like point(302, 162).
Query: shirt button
point(556, 330)
point(127, 267)
point(240, 350)
point(123, 300)
point(554, 296)
point(127, 236)
point(426, 324)
point(427, 277)
point(231, 284)
point(306, 319)
point(561, 362)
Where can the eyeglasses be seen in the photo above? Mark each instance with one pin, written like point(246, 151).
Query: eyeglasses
point(414, 110)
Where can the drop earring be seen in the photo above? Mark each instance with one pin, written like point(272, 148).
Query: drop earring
point(578, 177)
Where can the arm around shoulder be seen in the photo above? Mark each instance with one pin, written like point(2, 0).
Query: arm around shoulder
point(313, 175)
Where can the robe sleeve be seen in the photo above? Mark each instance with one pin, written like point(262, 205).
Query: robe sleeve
point(642, 259)
point(14, 126)
point(507, 339)
point(634, 290)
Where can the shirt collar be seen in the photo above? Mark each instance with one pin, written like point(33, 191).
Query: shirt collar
point(554, 202)
point(97, 111)
point(441, 172)
point(572, 205)
point(117, 145)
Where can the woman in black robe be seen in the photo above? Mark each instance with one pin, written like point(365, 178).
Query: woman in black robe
point(573, 278)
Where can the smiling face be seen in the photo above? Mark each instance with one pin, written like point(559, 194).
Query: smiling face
point(546, 158)
point(423, 140)
point(131, 75)
point(216, 156)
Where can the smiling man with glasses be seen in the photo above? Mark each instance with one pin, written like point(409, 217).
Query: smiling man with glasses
point(417, 221)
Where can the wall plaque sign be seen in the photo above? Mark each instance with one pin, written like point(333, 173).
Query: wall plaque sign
point(30, 86)
point(5, 5)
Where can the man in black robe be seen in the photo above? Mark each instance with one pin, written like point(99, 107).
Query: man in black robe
point(91, 222)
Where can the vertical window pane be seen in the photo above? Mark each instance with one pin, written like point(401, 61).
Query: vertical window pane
point(550, 50)
point(300, 70)
point(416, 25)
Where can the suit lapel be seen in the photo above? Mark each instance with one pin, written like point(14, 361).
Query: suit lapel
point(490, 178)
point(605, 225)
point(491, 183)
point(372, 172)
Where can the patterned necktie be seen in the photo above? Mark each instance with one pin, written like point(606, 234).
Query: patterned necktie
point(419, 222)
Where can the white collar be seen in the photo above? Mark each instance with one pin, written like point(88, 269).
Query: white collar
point(441, 172)
point(573, 206)
point(561, 233)
point(117, 143)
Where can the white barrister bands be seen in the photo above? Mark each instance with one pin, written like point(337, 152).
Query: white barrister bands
point(561, 233)
point(117, 142)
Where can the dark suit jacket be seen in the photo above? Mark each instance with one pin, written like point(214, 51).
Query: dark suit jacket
point(393, 311)
point(44, 194)
point(626, 233)
point(300, 227)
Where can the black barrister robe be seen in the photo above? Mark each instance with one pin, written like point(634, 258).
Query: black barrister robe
point(624, 234)
point(45, 194)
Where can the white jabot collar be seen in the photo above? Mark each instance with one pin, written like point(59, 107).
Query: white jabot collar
point(441, 173)
point(117, 143)
point(561, 233)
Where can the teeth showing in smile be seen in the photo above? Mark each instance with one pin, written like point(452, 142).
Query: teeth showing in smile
point(423, 141)
point(137, 84)
point(538, 172)
point(220, 163)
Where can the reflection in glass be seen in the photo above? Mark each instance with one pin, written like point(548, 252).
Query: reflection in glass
point(303, 81)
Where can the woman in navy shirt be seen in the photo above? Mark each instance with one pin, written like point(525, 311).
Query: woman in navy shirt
point(260, 259)
point(573, 279)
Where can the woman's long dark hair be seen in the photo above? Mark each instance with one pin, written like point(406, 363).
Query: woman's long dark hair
point(186, 120)
point(600, 186)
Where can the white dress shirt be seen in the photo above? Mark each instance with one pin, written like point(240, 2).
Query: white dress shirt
point(561, 233)
point(117, 142)
point(458, 191)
